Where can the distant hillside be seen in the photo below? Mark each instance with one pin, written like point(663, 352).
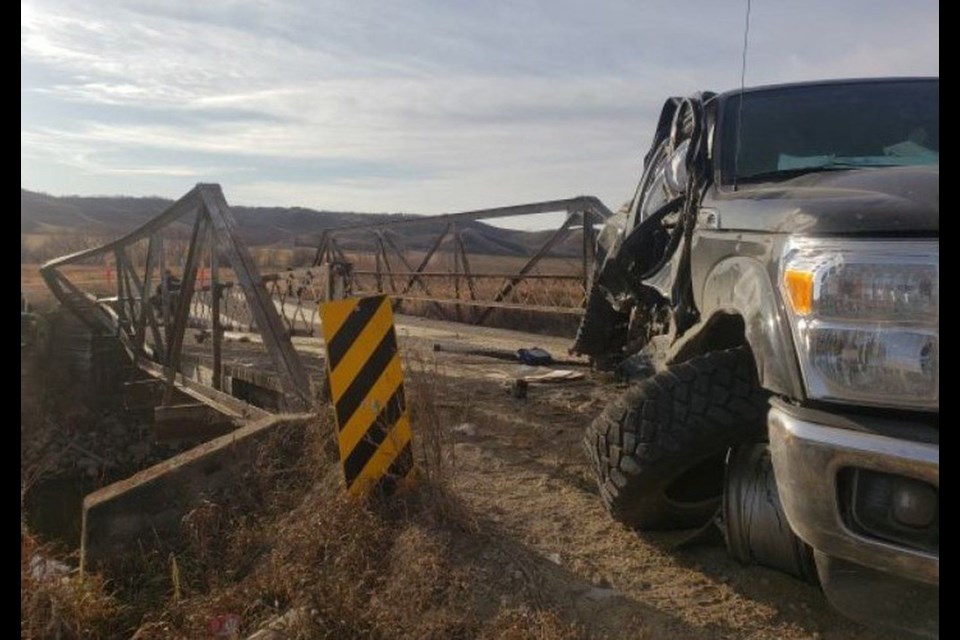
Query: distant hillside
point(41, 215)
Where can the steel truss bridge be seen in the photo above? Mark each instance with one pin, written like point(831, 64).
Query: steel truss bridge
point(174, 297)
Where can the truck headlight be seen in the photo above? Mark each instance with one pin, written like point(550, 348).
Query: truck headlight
point(866, 319)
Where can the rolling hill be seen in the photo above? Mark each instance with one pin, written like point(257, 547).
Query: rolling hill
point(110, 216)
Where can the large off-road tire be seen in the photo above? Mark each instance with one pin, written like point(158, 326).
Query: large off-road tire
point(659, 450)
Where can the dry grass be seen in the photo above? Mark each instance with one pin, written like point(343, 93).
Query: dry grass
point(336, 568)
point(59, 604)
point(332, 567)
point(527, 624)
point(286, 549)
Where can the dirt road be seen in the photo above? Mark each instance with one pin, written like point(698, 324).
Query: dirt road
point(520, 468)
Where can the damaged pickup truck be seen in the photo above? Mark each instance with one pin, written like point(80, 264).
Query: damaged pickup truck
point(777, 273)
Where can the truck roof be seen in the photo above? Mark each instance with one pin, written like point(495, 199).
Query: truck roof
point(832, 81)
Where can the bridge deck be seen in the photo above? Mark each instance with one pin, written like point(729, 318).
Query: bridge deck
point(245, 357)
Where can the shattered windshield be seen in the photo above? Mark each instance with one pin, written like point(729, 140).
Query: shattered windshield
point(794, 130)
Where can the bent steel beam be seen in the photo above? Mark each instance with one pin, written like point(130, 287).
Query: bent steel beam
point(152, 327)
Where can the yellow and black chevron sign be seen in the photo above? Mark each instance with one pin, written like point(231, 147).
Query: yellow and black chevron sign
point(366, 387)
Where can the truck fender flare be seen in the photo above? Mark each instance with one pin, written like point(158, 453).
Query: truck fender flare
point(739, 303)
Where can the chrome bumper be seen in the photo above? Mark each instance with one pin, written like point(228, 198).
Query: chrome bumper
point(807, 458)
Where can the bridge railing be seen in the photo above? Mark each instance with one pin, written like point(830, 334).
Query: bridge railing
point(464, 266)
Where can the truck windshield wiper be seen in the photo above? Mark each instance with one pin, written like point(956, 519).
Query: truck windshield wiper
point(799, 171)
point(835, 164)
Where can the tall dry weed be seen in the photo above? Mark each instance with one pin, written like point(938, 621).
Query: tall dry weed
point(57, 602)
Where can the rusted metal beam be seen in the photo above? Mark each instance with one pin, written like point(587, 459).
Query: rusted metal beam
point(293, 377)
point(334, 248)
point(569, 205)
point(82, 304)
point(146, 316)
point(406, 263)
point(471, 285)
point(132, 296)
point(573, 277)
point(457, 268)
point(187, 283)
point(185, 205)
point(382, 249)
point(164, 298)
point(508, 286)
point(118, 268)
point(483, 304)
point(426, 258)
point(216, 327)
point(321, 249)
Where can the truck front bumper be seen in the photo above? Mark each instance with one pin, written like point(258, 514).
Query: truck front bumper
point(875, 574)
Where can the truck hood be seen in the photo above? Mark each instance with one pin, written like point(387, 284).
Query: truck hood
point(884, 201)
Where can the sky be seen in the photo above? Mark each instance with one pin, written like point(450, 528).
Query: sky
point(422, 106)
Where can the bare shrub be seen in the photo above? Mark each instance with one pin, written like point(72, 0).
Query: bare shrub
point(429, 420)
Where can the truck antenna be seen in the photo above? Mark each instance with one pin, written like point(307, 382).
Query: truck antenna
point(743, 80)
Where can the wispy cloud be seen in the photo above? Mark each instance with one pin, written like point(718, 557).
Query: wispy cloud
point(423, 106)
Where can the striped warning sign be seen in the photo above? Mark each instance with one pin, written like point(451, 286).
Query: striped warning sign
point(366, 387)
